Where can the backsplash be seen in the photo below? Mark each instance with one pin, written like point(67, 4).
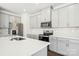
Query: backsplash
point(72, 32)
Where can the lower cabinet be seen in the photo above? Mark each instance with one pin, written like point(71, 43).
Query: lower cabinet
point(64, 46)
point(73, 47)
point(53, 45)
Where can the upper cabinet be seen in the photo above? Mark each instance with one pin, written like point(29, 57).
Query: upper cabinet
point(45, 15)
point(67, 16)
point(55, 18)
point(60, 17)
point(37, 18)
point(33, 21)
point(4, 20)
point(74, 15)
point(63, 17)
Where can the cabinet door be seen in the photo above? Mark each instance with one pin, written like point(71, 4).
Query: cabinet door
point(31, 17)
point(74, 15)
point(55, 18)
point(4, 20)
point(62, 46)
point(33, 21)
point(73, 47)
point(45, 15)
point(63, 17)
point(38, 21)
point(53, 45)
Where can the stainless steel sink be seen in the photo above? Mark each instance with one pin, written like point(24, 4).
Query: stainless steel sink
point(17, 38)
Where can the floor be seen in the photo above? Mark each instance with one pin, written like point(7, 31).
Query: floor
point(51, 53)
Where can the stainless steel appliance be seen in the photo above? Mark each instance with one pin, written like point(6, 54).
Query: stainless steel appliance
point(20, 29)
point(13, 32)
point(46, 24)
point(45, 35)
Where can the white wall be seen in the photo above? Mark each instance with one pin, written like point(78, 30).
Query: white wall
point(25, 21)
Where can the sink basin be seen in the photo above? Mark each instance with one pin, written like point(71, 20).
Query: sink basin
point(18, 38)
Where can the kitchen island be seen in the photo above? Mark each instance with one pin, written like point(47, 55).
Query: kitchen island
point(26, 47)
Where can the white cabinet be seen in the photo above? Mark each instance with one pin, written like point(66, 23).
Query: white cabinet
point(63, 46)
point(31, 17)
point(55, 19)
point(60, 17)
point(59, 45)
point(45, 15)
point(35, 21)
point(37, 18)
point(73, 47)
point(74, 15)
point(63, 17)
point(53, 45)
point(4, 20)
point(38, 24)
point(66, 16)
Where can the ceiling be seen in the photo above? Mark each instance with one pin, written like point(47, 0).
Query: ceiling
point(26, 7)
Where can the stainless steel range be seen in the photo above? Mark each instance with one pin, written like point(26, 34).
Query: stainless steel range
point(45, 35)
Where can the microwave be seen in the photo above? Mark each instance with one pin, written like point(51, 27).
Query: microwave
point(46, 24)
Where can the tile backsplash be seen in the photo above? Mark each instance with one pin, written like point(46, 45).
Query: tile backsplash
point(72, 32)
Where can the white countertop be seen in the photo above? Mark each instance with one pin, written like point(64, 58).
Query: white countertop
point(20, 48)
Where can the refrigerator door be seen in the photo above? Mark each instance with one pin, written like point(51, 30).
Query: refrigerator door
point(20, 29)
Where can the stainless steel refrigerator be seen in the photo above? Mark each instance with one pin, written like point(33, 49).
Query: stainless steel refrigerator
point(20, 29)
